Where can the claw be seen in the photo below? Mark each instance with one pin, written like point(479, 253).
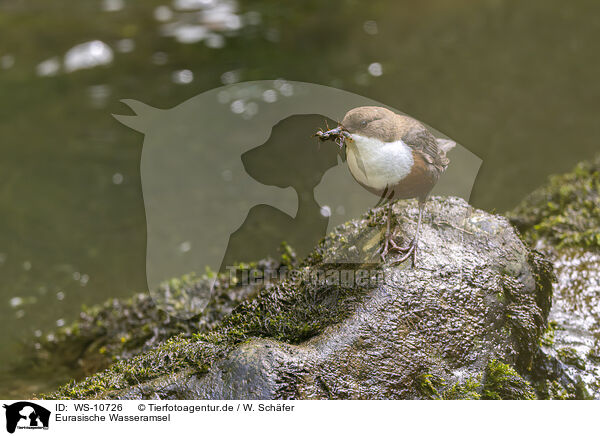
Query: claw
point(411, 252)
point(389, 244)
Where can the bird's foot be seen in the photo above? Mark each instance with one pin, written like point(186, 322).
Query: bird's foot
point(390, 245)
point(408, 252)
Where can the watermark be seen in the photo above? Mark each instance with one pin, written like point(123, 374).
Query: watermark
point(345, 277)
point(231, 173)
point(25, 415)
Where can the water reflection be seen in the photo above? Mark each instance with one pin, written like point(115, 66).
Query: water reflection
point(88, 55)
point(112, 5)
point(370, 27)
point(244, 100)
point(375, 69)
point(229, 77)
point(195, 21)
point(160, 58)
point(163, 13)
point(182, 77)
point(126, 45)
point(7, 61)
point(117, 178)
point(99, 95)
point(49, 67)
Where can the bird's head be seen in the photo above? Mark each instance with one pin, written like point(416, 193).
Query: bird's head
point(369, 121)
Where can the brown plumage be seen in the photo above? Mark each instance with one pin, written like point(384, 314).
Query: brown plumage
point(394, 157)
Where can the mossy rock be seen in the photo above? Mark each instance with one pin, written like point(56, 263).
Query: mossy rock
point(502, 382)
point(567, 366)
point(563, 219)
point(120, 329)
point(464, 322)
point(565, 212)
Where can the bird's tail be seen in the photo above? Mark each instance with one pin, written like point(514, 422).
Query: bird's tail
point(445, 144)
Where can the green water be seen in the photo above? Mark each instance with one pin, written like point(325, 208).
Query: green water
point(515, 82)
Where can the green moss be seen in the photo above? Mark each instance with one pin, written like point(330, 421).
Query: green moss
point(120, 329)
point(547, 338)
point(594, 353)
point(468, 390)
point(176, 354)
point(555, 390)
point(543, 273)
point(429, 386)
point(523, 325)
point(570, 356)
point(291, 311)
point(288, 255)
point(434, 387)
point(502, 382)
point(566, 211)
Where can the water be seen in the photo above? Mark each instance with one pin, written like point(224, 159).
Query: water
point(515, 82)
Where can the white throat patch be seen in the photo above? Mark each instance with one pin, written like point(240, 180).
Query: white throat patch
point(378, 164)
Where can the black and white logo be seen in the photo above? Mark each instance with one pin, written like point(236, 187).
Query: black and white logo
point(26, 415)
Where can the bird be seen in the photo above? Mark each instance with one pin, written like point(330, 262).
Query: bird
point(394, 157)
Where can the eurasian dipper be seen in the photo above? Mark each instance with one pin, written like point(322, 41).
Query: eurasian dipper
point(394, 157)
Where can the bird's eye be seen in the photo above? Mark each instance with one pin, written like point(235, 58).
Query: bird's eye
point(363, 123)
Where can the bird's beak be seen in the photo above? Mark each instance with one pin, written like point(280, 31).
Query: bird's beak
point(339, 134)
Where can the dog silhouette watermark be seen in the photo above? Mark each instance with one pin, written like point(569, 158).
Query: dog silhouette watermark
point(229, 174)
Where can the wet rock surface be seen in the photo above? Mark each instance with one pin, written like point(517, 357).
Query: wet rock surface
point(562, 219)
point(465, 322)
point(574, 336)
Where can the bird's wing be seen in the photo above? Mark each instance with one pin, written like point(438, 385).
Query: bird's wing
point(422, 141)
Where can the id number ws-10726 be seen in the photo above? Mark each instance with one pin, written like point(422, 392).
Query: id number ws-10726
point(98, 407)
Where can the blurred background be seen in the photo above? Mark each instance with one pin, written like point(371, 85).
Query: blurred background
point(514, 82)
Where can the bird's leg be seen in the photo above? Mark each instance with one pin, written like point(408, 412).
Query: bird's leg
point(411, 250)
point(390, 245)
point(387, 239)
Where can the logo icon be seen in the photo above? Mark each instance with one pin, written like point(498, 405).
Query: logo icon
point(26, 415)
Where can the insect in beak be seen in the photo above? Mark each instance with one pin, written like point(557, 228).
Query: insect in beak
point(338, 135)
